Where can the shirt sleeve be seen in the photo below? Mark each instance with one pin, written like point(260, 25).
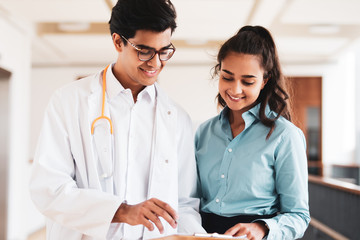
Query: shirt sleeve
point(189, 217)
point(292, 188)
point(53, 187)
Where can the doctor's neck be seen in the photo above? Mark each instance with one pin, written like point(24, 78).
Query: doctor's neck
point(126, 81)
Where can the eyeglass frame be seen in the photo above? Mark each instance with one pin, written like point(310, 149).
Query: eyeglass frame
point(150, 48)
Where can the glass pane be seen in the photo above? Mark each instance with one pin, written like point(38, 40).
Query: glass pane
point(313, 139)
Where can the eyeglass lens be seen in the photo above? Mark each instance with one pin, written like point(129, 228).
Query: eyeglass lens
point(147, 54)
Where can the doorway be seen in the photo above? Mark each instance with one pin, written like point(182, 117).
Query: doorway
point(307, 114)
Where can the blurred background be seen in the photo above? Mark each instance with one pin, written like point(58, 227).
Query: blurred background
point(45, 44)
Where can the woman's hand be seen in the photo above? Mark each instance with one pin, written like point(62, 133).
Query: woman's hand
point(253, 231)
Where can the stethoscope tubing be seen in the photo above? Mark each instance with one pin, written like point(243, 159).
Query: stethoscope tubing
point(103, 104)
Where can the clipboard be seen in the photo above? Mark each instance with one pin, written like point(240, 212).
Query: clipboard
point(200, 236)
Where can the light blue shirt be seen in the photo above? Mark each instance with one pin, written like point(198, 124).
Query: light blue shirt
point(251, 175)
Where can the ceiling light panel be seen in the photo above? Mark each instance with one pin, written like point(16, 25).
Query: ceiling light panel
point(210, 19)
point(309, 46)
point(322, 12)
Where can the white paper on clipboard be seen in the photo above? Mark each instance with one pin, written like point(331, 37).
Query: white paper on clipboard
point(217, 235)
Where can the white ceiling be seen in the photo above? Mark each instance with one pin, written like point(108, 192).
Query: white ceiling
point(304, 30)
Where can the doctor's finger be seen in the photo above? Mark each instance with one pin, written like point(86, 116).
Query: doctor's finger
point(148, 224)
point(151, 216)
point(167, 208)
point(161, 212)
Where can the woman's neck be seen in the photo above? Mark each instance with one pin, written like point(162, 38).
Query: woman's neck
point(236, 121)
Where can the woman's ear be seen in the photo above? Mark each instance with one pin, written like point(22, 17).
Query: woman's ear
point(265, 80)
point(117, 42)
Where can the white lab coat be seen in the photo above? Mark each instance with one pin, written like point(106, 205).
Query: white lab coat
point(66, 185)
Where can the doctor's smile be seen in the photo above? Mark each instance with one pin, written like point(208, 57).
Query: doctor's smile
point(150, 73)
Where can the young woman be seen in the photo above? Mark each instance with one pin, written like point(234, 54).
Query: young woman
point(251, 159)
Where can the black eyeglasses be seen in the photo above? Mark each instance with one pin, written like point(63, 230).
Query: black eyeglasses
point(146, 53)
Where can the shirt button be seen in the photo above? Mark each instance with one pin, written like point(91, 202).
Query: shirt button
point(230, 150)
point(217, 200)
point(222, 176)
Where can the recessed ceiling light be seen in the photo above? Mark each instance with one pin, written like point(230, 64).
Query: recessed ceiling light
point(324, 28)
point(196, 42)
point(74, 27)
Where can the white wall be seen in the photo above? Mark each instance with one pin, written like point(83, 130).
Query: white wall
point(15, 57)
point(357, 101)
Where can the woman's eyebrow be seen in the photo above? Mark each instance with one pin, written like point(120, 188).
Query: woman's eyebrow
point(228, 72)
point(248, 76)
point(243, 76)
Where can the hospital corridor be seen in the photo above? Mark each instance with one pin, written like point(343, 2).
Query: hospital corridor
point(48, 45)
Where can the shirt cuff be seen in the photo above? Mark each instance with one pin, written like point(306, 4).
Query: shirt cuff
point(273, 228)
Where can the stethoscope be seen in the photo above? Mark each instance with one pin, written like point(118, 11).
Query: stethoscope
point(108, 174)
point(103, 146)
point(103, 105)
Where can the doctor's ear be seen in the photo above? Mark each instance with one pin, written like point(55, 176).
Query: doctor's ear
point(117, 42)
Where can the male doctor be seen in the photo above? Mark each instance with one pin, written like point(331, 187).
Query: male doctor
point(115, 156)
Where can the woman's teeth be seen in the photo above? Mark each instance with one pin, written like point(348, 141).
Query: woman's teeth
point(234, 98)
point(148, 71)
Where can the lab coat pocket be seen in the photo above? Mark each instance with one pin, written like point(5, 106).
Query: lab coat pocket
point(103, 141)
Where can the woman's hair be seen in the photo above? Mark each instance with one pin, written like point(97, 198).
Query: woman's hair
point(128, 16)
point(256, 40)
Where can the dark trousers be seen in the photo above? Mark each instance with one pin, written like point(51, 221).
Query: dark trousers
point(214, 223)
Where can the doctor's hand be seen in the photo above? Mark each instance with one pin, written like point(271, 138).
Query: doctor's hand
point(253, 231)
point(146, 213)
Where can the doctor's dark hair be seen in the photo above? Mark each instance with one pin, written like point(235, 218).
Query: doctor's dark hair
point(256, 40)
point(128, 16)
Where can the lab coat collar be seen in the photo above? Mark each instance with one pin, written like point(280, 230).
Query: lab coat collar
point(161, 96)
point(113, 86)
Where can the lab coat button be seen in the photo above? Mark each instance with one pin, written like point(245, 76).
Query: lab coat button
point(217, 200)
point(222, 176)
point(230, 150)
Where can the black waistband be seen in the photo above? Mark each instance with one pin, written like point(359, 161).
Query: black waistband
point(215, 223)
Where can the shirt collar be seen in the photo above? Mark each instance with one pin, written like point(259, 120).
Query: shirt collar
point(249, 115)
point(256, 109)
point(114, 87)
point(148, 93)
